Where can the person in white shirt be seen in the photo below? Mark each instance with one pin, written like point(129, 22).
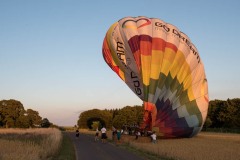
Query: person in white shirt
point(104, 135)
point(154, 137)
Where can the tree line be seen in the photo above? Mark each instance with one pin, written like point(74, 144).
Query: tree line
point(128, 115)
point(221, 115)
point(13, 115)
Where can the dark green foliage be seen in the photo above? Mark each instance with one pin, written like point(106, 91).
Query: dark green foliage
point(223, 114)
point(114, 117)
point(92, 120)
point(128, 116)
point(13, 115)
point(10, 111)
point(34, 118)
point(45, 123)
point(86, 119)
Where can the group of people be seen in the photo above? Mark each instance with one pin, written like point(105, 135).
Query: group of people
point(103, 134)
point(152, 135)
point(116, 132)
point(103, 130)
point(136, 132)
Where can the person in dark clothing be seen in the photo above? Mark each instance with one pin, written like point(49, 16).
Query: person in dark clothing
point(77, 133)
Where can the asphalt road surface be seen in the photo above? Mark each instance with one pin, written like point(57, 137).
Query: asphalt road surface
point(87, 149)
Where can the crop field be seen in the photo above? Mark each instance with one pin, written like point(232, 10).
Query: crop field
point(207, 146)
point(204, 146)
point(22, 144)
point(43, 144)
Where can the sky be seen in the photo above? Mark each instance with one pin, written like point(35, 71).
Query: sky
point(51, 51)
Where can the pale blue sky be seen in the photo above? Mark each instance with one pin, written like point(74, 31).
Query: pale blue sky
point(51, 51)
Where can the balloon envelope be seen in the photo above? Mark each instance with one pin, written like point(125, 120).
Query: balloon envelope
point(162, 67)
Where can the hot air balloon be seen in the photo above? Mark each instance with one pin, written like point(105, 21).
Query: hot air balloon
point(163, 68)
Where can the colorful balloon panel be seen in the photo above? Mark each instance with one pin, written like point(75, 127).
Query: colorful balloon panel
point(163, 68)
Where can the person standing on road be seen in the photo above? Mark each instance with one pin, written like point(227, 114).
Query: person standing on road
point(77, 133)
point(104, 135)
point(96, 135)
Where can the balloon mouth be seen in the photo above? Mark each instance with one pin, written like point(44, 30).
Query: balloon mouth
point(148, 116)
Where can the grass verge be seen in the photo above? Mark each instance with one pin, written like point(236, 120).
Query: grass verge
point(146, 155)
point(67, 150)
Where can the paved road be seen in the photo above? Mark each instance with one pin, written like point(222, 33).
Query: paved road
point(88, 149)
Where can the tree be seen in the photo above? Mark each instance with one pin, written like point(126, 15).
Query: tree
point(88, 117)
point(224, 114)
point(119, 120)
point(23, 121)
point(95, 125)
point(207, 123)
point(34, 118)
point(45, 123)
point(10, 110)
point(128, 116)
